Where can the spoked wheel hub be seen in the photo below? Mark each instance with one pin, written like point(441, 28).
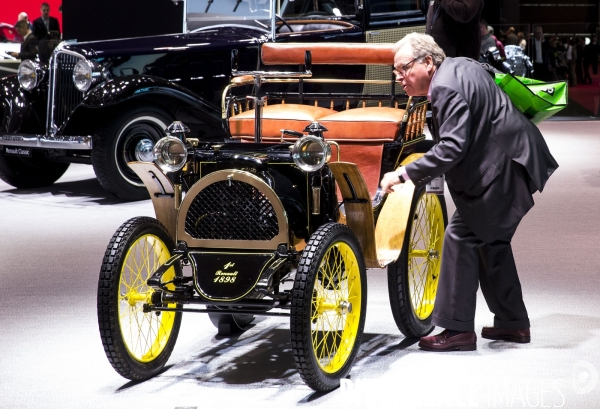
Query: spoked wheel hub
point(328, 308)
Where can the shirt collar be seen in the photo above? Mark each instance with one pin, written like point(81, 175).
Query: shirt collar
point(429, 90)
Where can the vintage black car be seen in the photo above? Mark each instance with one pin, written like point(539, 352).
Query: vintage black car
point(106, 103)
point(283, 220)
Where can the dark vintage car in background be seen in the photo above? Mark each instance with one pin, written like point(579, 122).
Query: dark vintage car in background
point(106, 103)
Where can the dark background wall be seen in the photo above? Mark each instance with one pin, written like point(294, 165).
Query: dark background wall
point(573, 17)
point(97, 20)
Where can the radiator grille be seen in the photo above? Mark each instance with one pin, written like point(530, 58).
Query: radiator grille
point(231, 210)
point(66, 96)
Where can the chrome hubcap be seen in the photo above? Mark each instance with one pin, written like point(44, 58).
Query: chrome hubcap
point(144, 150)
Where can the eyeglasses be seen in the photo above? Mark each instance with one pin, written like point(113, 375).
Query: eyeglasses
point(405, 68)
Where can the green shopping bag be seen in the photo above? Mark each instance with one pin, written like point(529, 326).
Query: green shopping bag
point(538, 100)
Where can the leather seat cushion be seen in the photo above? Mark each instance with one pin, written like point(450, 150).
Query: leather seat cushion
point(363, 124)
point(275, 118)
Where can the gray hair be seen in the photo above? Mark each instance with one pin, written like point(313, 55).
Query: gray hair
point(422, 45)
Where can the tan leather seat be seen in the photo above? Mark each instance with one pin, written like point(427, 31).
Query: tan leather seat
point(371, 124)
point(275, 118)
point(361, 133)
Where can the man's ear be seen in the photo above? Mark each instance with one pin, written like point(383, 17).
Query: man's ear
point(428, 62)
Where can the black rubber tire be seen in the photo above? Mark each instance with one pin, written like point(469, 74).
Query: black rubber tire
point(111, 297)
point(408, 321)
point(305, 298)
point(29, 173)
point(114, 144)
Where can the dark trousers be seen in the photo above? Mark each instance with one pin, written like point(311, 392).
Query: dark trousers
point(468, 263)
point(540, 72)
point(587, 79)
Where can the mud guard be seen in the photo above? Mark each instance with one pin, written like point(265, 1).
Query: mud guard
point(359, 211)
point(162, 193)
point(383, 243)
point(393, 219)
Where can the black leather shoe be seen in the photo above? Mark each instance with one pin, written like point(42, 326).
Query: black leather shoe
point(522, 336)
point(443, 342)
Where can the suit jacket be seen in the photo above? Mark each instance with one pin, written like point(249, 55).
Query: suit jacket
point(483, 141)
point(39, 28)
point(545, 52)
point(29, 48)
point(454, 25)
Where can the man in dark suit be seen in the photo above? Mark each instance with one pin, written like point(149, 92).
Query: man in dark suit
point(29, 47)
point(493, 158)
point(454, 25)
point(45, 24)
point(540, 55)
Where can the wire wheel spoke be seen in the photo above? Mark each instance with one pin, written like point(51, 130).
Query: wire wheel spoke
point(333, 321)
point(145, 334)
point(424, 254)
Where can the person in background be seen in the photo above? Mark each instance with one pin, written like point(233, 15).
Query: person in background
point(22, 16)
point(455, 26)
point(522, 41)
point(590, 53)
point(579, 60)
point(487, 41)
point(571, 57)
point(540, 54)
point(552, 59)
point(562, 68)
point(29, 47)
point(594, 60)
point(499, 44)
point(511, 37)
point(45, 24)
point(494, 159)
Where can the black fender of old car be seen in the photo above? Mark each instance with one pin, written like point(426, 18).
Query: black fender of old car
point(121, 93)
point(22, 111)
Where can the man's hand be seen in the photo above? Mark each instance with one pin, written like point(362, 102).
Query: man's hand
point(13, 54)
point(389, 179)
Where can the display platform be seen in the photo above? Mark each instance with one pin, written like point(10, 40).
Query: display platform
point(53, 241)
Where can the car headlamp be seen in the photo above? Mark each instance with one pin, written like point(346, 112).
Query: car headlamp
point(170, 154)
point(85, 74)
point(311, 153)
point(30, 74)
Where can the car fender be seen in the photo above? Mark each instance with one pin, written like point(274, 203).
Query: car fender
point(131, 86)
point(18, 108)
point(103, 100)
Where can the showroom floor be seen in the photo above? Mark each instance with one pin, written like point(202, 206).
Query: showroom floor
point(53, 240)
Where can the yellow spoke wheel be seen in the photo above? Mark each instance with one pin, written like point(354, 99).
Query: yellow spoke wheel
point(137, 343)
point(328, 306)
point(414, 277)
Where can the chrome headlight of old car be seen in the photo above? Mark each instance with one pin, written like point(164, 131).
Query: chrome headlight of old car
point(170, 154)
point(30, 74)
point(87, 73)
point(311, 153)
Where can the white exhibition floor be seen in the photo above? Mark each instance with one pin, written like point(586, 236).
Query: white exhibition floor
point(52, 241)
